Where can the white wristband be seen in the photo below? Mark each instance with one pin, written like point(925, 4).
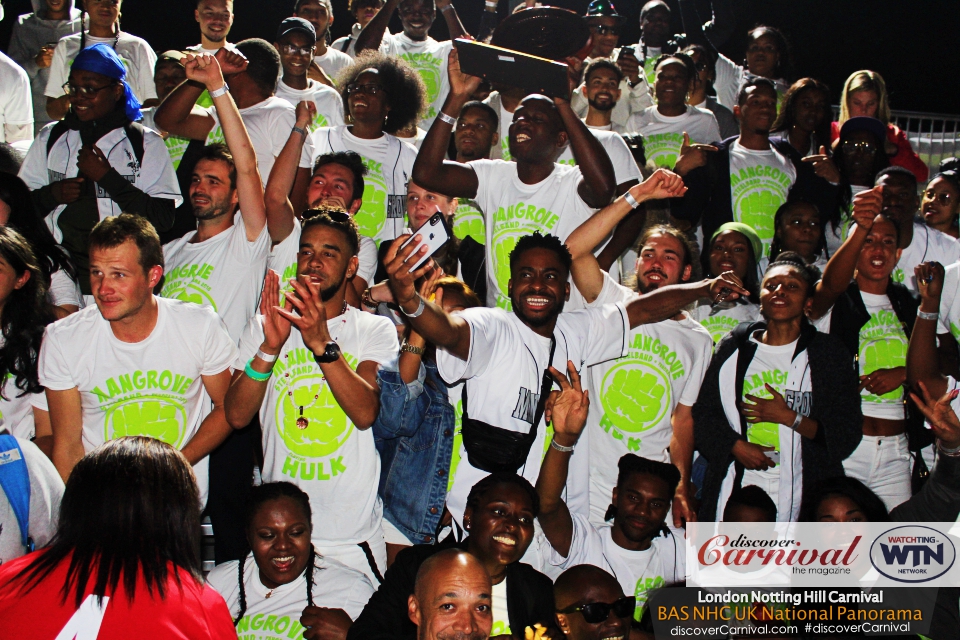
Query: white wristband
point(923, 315)
point(222, 91)
point(450, 120)
point(630, 200)
point(796, 421)
point(266, 357)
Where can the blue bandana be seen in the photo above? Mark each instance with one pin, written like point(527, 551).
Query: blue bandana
point(102, 59)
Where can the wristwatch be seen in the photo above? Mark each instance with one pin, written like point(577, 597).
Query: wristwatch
point(330, 354)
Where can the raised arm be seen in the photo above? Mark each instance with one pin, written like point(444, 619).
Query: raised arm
point(568, 413)
point(371, 35)
point(667, 302)
point(585, 270)
point(432, 170)
point(922, 362)
point(178, 114)
point(206, 69)
point(280, 213)
point(449, 13)
point(839, 270)
point(435, 325)
point(66, 421)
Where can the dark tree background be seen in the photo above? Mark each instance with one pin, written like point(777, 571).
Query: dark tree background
point(912, 44)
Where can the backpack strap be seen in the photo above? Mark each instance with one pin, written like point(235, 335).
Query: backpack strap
point(56, 133)
point(15, 482)
point(134, 132)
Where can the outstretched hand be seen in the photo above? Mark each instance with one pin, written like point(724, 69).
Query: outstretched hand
point(398, 262)
point(461, 84)
point(940, 415)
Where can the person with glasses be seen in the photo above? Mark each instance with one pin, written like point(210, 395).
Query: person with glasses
point(382, 95)
point(319, 13)
point(309, 369)
point(702, 92)
point(251, 70)
point(296, 42)
point(865, 94)
point(940, 204)
point(102, 18)
point(858, 157)
point(363, 11)
point(424, 54)
point(591, 604)
point(99, 162)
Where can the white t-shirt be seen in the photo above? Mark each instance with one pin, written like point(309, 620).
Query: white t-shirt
point(633, 398)
point(46, 490)
point(730, 76)
point(136, 53)
point(283, 257)
point(16, 100)
point(64, 290)
point(513, 209)
point(336, 464)
point(148, 388)
point(722, 320)
point(175, 145)
point(224, 272)
point(326, 99)
point(927, 245)
point(268, 124)
point(16, 407)
point(506, 119)
point(883, 345)
point(624, 166)
point(389, 162)
point(468, 221)
point(949, 321)
point(429, 59)
point(275, 613)
point(759, 184)
point(638, 572)
point(501, 616)
point(504, 370)
point(333, 61)
point(663, 135)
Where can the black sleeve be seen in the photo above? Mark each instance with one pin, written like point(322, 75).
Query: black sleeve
point(712, 435)
point(385, 616)
point(381, 273)
point(43, 199)
point(810, 187)
point(690, 207)
point(693, 26)
point(939, 500)
point(836, 406)
point(159, 211)
point(488, 22)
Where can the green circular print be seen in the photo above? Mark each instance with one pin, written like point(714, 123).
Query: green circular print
point(152, 416)
point(635, 396)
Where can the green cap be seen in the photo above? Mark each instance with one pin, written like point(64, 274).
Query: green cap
point(748, 232)
point(601, 9)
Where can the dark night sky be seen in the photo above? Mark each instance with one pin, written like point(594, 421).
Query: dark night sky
point(912, 44)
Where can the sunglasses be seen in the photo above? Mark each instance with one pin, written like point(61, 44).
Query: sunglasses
point(603, 30)
point(859, 147)
point(369, 89)
point(597, 612)
point(291, 50)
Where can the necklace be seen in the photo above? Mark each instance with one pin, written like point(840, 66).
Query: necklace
point(302, 421)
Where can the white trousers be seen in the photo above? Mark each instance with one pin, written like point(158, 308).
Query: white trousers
point(883, 463)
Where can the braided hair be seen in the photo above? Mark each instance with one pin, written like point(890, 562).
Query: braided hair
point(259, 496)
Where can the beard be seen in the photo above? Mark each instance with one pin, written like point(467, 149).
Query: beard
point(328, 292)
point(602, 107)
point(214, 210)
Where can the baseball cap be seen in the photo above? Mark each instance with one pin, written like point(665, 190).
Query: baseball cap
point(296, 24)
point(601, 9)
point(864, 123)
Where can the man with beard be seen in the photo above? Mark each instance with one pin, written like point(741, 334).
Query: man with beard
point(419, 50)
point(336, 183)
point(601, 87)
point(586, 597)
point(504, 356)
point(215, 18)
point(319, 13)
point(534, 192)
point(643, 402)
point(746, 179)
point(452, 598)
point(316, 392)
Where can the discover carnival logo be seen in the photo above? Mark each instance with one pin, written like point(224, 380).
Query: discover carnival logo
point(912, 554)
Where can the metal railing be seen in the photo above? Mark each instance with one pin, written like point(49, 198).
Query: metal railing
point(933, 136)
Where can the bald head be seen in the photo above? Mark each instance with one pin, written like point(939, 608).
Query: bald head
point(452, 598)
point(588, 585)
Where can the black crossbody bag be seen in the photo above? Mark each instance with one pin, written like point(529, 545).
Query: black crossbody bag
point(492, 449)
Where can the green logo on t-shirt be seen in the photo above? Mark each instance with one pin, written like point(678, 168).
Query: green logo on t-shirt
point(262, 626)
point(372, 215)
point(644, 586)
point(319, 121)
point(310, 422)
point(757, 193)
point(883, 345)
point(636, 393)
point(765, 434)
point(505, 144)
point(468, 221)
point(662, 149)
point(176, 147)
point(145, 403)
point(719, 326)
point(511, 224)
point(428, 66)
point(190, 283)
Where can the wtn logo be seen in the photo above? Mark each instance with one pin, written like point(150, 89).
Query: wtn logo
point(912, 553)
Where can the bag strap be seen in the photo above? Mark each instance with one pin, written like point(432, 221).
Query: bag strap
point(546, 383)
point(15, 482)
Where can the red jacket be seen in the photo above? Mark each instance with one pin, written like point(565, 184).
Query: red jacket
point(189, 611)
point(906, 157)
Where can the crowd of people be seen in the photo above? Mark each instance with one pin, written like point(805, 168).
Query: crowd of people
point(683, 293)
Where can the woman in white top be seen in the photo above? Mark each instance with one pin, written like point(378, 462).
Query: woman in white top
point(283, 578)
point(24, 313)
point(18, 213)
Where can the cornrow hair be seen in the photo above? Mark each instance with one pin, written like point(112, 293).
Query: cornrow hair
point(311, 567)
